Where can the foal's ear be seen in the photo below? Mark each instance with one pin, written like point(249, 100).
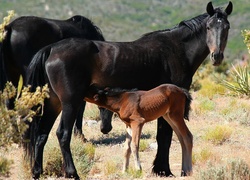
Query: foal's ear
point(210, 9)
point(229, 8)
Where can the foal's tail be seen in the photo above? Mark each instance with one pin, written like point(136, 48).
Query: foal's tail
point(187, 104)
point(36, 76)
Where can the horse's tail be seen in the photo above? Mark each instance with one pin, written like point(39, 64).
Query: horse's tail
point(36, 76)
point(187, 104)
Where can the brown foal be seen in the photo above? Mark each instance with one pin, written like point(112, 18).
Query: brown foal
point(136, 107)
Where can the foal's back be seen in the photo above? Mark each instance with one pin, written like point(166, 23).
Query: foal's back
point(166, 98)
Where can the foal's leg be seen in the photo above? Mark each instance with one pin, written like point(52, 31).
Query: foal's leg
point(127, 149)
point(186, 139)
point(136, 134)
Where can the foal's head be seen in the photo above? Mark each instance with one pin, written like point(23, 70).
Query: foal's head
point(217, 31)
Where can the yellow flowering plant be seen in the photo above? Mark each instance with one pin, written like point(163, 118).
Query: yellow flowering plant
point(6, 21)
point(27, 105)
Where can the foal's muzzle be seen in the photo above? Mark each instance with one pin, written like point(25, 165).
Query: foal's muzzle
point(217, 57)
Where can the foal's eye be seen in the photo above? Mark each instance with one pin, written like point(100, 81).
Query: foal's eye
point(208, 28)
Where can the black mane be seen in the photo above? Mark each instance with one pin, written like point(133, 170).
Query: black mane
point(194, 24)
point(114, 91)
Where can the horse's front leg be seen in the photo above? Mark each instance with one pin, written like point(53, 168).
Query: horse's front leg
point(63, 133)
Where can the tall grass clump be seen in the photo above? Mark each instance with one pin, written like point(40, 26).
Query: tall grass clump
point(83, 155)
point(218, 134)
point(234, 169)
point(203, 105)
point(110, 168)
point(202, 155)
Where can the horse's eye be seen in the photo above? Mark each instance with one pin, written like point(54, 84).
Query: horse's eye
point(208, 28)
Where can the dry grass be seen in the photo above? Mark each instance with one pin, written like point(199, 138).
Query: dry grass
point(206, 154)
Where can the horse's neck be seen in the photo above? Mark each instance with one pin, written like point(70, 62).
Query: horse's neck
point(196, 50)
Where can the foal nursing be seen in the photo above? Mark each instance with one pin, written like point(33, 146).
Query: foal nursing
point(135, 108)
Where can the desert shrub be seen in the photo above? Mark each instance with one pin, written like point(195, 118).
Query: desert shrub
point(53, 161)
point(143, 145)
point(12, 124)
point(4, 166)
point(110, 168)
point(234, 169)
point(6, 21)
point(210, 88)
point(202, 155)
point(134, 174)
point(236, 110)
point(203, 105)
point(83, 155)
point(218, 134)
point(246, 36)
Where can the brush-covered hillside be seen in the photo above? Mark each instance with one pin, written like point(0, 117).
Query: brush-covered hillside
point(125, 20)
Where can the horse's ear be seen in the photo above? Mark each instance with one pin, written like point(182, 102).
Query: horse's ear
point(210, 9)
point(229, 8)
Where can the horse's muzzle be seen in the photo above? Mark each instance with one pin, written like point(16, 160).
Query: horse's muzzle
point(217, 58)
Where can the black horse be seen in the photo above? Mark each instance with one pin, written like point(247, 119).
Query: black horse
point(166, 56)
point(28, 34)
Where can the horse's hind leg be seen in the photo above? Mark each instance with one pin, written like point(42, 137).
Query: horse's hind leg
point(64, 132)
point(44, 127)
point(186, 139)
point(79, 119)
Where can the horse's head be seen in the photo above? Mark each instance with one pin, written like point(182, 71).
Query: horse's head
point(217, 31)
